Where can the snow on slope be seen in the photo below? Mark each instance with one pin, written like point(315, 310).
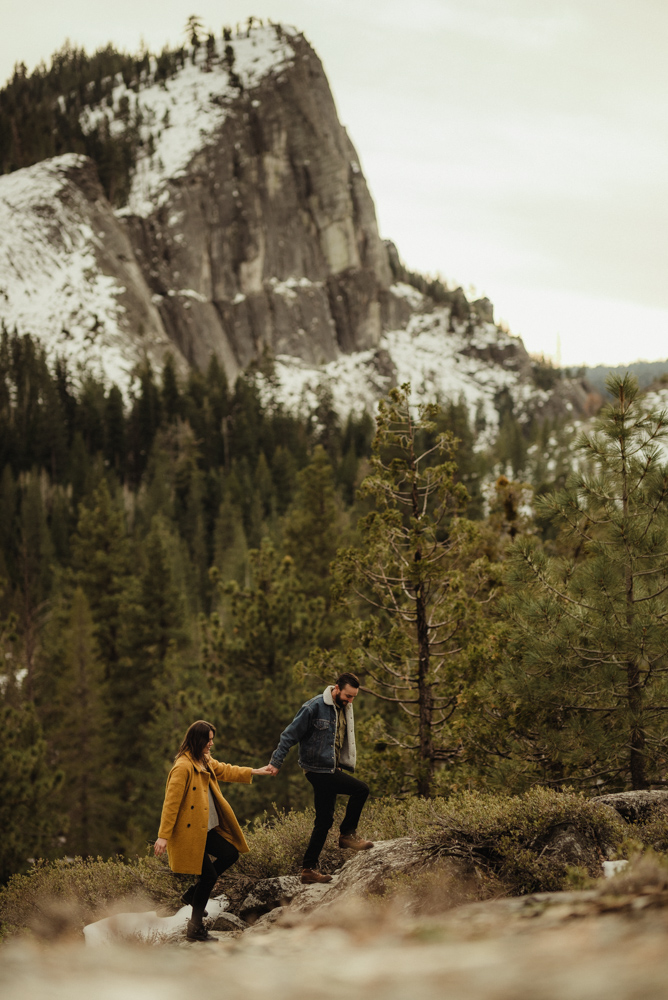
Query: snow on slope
point(170, 110)
point(50, 283)
point(425, 354)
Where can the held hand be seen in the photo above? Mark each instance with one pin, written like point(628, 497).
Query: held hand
point(267, 769)
point(271, 769)
point(160, 846)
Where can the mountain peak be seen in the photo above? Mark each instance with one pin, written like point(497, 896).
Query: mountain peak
point(171, 118)
point(242, 226)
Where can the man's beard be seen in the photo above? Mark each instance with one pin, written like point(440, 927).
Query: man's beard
point(337, 699)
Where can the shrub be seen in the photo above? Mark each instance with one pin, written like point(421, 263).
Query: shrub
point(88, 885)
point(651, 832)
point(508, 836)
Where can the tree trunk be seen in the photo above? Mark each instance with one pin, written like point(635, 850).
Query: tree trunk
point(637, 735)
point(425, 699)
point(633, 688)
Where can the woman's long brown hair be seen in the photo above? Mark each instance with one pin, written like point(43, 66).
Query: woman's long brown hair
point(196, 739)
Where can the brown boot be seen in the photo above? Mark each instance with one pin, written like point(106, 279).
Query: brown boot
point(351, 842)
point(310, 876)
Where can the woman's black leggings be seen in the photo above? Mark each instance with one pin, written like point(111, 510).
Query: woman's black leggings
point(225, 854)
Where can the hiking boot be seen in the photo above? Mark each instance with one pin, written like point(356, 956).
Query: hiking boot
point(351, 842)
point(187, 897)
point(198, 932)
point(310, 876)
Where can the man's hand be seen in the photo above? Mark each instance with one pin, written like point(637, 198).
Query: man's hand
point(267, 769)
point(160, 846)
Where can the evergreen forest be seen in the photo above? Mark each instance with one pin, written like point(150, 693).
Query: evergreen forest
point(194, 551)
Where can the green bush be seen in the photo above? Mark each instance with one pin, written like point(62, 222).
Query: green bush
point(86, 887)
point(508, 836)
point(652, 832)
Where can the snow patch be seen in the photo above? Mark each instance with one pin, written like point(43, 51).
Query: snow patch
point(50, 283)
point(180, 115)
point(414, 298)
point(147, 926)
point(426, 354)
point(288, 287)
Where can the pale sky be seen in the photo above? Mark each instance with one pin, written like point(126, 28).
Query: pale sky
point(518, 147)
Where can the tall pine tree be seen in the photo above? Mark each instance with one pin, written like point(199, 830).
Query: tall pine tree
point(588, 694)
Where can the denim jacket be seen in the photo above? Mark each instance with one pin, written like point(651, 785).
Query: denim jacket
point(314, 728)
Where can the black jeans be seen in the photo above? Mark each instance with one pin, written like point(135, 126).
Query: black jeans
point(325, 789)
point(225, 854)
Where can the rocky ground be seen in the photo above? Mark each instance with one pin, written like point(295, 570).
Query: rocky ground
point(607, 942)
point(537, 949)
point(294, 942)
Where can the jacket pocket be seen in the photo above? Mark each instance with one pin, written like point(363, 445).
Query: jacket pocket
point(321, 724)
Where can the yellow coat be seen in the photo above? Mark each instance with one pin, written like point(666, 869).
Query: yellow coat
point(185, 813)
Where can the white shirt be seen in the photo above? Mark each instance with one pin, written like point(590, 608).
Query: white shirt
point(213, 815)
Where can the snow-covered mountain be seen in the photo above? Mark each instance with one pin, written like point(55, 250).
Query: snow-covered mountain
point(68, 273)
point(248, 229)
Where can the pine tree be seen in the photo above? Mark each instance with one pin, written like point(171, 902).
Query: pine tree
point(34, 565)
point(192, 30)
point(9, 497)
point(230, 546)
point(30, 816)
point(101, 561)
point(589, 689)
point(171, 395)
point(283, 474)
point(77, 727)
point(249, 660)
point(114, 432)
point(148, 686)
point(417, 571)
point(264, 487)
point(314, 524)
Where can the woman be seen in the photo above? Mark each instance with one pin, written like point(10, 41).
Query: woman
point(197, 821)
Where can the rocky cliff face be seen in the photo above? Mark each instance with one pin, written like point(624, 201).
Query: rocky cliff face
point(249, 228)
point(267, 237)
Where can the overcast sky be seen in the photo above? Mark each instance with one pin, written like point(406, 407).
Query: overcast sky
point(517, 146)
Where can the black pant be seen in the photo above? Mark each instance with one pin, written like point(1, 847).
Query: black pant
point(325, 789)
point(225, 854)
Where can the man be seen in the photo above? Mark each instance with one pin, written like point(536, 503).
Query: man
point(324, 727)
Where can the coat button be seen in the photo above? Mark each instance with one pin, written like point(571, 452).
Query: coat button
point(188, 824)
point(192, 807)
point(194, 788)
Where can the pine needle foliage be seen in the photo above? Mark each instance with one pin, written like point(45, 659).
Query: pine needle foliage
point(420, 585)
point(589, 690)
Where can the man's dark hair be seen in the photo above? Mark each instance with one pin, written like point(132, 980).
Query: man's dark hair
point(350, 679)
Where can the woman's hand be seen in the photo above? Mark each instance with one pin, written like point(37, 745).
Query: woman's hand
point(160, 846)
point(267, 769)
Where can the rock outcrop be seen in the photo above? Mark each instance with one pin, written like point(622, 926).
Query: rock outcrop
point(365, 873)
point(271, 229)
point(636, 806)
point(268, 894)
